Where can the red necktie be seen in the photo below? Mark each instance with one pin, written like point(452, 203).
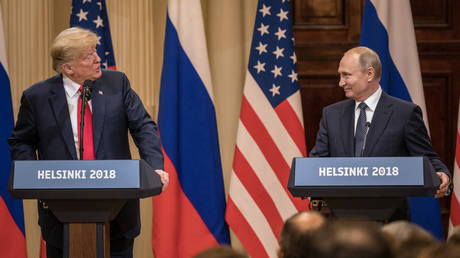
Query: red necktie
point(88, 145)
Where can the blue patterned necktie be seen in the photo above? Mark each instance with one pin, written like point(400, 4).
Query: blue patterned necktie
point(361, 129)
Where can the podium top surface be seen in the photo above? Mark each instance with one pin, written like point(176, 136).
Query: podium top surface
point(362, 177)
point(83, 179)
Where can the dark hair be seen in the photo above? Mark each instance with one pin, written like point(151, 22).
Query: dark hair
point(296, 235)
point(346, 239)
point(220, 252)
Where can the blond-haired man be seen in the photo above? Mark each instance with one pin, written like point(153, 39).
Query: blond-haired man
point(47, 125)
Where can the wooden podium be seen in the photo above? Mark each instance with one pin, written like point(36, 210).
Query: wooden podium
point(368, 188)
point(84, 195)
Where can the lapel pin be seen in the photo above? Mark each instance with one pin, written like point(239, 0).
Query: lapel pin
point(100, 93)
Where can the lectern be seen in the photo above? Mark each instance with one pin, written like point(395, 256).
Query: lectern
point(368, 188)
point(84, 195)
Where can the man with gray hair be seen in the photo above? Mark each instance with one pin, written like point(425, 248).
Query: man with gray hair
point(371, 123)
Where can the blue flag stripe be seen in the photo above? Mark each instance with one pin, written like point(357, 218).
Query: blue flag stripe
point(188, 133)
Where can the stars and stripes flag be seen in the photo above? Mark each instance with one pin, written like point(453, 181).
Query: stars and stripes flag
point(12, 238)
point(454, 219)
point(270, 134)
point(388, 29)
point(190, 215)
point(92, 15)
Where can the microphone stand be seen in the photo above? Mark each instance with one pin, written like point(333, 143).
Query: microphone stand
point(85, 96)
point(368, 124)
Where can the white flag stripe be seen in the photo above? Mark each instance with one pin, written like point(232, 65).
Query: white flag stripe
point(296, 104)
point(403, 50)
point(456, 181)
point(450, 229)
point(268, 116)
point(3, 59)
point(255, 218)
point(265, 173)
point(187, 20)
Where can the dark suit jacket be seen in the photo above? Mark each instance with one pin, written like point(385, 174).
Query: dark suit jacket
point(397, 129)
point(44, 126)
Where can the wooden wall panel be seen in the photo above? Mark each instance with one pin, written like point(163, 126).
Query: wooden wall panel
point(329, 13)
point(316, 92)
point(431, 13)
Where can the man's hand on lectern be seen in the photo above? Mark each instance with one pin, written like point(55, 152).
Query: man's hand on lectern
point(445, 181)
point(164, 176)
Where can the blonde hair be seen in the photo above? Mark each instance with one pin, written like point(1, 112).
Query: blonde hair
point(367, 58)
point(71, 44)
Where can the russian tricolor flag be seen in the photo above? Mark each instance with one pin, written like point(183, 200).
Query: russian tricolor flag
point(388, 29)
point(12, 240)
point(189, 215)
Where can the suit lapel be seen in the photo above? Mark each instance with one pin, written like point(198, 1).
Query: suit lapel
point(98, 104)
point(379, 122)
point(58, 102)
point(346, 124)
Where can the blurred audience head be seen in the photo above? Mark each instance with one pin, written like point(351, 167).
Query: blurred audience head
point(297, 232)
point(439, 250)
point(407, 239)
point(454, 237)
point(220, 252)
point(351, 239)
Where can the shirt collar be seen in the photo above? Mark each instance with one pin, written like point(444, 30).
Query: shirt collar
point(71, 87)
point(372, 101)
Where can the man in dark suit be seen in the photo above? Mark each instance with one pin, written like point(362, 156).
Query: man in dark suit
point(393, 127)
point(47, 125)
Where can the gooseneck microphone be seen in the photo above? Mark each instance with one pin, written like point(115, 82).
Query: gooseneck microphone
point(368, 125)
point(85, 96)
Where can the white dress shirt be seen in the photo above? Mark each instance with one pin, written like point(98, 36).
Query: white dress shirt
point(371, 103)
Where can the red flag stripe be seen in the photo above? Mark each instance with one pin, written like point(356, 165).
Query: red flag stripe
point(244, 231)
point(268, 147)
point(12, 241)
point(266, 144)
point(454, 210)
point(454, 201)
point(253, 215)
point(292, 124)
point(257, 191)
point(265, 173)
point(177, 220)
point(42, 247)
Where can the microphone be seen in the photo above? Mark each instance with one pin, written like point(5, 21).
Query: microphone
point(87, 89)
point(85, 97)
point(368, 125)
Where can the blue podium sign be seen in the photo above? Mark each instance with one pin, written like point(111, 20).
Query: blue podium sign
point(81, 174)
point(365, 171)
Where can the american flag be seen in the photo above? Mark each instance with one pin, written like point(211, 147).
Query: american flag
point(92, 15)
point(270, 134)
point(454, 219)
